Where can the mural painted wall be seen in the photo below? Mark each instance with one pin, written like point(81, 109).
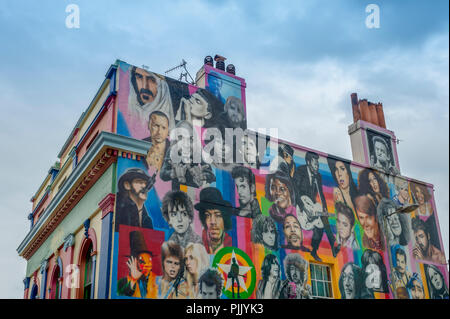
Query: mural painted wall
point(196, 218)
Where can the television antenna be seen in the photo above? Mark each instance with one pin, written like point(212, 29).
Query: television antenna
point(183, 75)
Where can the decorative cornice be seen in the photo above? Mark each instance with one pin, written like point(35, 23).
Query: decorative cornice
point(87, 225)
point(100, 155)
point(107, 204)
point(84, 115)
point(69, 241)
point(26, 282)
point(44, 266)
point(46, 224)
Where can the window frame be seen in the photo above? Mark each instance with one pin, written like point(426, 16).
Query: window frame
point(87, 280)
point(327, 280)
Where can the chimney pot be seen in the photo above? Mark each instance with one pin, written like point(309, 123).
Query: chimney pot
point(355, 108)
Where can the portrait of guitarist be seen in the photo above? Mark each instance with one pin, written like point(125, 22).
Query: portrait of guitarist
point(308, 181)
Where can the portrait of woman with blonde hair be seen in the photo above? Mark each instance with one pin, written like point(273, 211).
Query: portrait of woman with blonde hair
point(196, 262)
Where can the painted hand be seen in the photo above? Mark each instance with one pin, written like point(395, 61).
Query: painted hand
point(135, 274)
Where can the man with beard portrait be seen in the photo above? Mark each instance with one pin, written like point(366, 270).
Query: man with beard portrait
point(134, 186)
point(423, 248)
point(149, 92)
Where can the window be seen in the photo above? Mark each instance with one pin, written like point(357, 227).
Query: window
point(88, 275)
point(321, 281)
point(55, 286)
point(34, 292)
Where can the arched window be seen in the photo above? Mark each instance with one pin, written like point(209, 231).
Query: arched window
point(88, 269)
point(87, 265)
point(34, 292)
point(55, 284)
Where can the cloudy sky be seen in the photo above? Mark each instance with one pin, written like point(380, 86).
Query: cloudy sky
point(301, 60)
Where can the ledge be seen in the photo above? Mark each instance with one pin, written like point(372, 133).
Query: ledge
point(102, 143)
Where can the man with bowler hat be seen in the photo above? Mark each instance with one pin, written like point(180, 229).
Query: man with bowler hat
point(215, 215)
point(134, 186)
point(140, 281)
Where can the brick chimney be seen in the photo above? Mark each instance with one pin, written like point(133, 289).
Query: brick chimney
point(367, 111)
point(368, 122)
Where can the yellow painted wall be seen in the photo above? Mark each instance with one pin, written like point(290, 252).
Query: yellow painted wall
point(41, 191)
point(65, 171)
point(92, 113)
point(66, 153)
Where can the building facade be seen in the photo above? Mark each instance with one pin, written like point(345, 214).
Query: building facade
point(161, 192)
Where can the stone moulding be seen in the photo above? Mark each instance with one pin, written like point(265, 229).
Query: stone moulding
point(84, 175)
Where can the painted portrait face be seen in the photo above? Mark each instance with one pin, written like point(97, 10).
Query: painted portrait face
point(417, 290)
point(234, 112)
point(422, 240)
point(269, 236)
point(373, 276)
point(394, 222)
point(342, 175)
point(344, 226)
point(249, 150)
point(214, 224)
point(293, 231)
point(146, 86)
point(419, 196)
point(287, 157)
point(280, 193)
point(274, 270)
point(171, 267)
point(369, 225)
point(159, 128)
point(403, 192)
point(348, 283)
point(402, 293)
point(179, 219)
point(381, 152)
point(295, 274)
point(313, 165)
point(145, 263)
point(214, 85)
point(136, 188)
point(374, 183)
point(185, 144)
point(191, 262)
point(208, 292)
point(244, 191)
point(198, 105)
point(401, 263)
point(435, 278)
